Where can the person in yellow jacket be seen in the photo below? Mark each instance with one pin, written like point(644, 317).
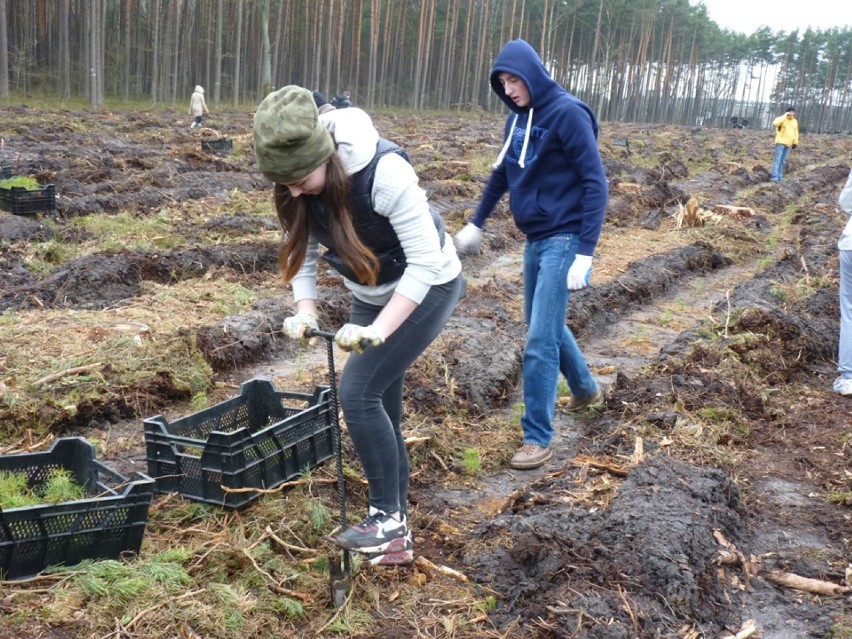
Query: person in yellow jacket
point(786, 138)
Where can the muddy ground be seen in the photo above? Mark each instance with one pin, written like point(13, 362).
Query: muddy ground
point(720, 467)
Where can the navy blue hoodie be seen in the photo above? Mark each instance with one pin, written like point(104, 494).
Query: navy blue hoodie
point(560, 187)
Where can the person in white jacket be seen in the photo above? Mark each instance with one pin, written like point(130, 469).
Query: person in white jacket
point(197, 106)
point(843, 383)
point(341, 186)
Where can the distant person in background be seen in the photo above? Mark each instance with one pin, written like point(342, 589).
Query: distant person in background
point(342, 101)
point(197, 106)
point(745, 123)
point(735, 122)
point(786, 138)
point(843, 384)
point(323, 105)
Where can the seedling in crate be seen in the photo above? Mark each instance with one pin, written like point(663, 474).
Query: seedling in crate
point(15, 491)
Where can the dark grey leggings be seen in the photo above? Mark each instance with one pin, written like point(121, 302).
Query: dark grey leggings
point(370, 392)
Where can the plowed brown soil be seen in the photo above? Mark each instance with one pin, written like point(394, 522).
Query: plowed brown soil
point(721, 461)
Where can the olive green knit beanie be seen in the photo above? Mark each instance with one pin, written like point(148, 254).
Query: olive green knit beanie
point(289, 140)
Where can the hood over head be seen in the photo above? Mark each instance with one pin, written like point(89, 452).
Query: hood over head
point(354, 136)
point(520, 59)
point(199, 88)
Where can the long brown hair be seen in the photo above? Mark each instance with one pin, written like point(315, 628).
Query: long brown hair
point(294, 217)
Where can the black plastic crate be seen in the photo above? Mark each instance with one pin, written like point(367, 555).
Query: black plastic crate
point(223, 145)
point(103, 526)
point(258, 439)
point(21, 201)
point(5, 172)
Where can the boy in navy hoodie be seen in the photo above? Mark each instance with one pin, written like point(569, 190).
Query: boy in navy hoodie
point(551, 166)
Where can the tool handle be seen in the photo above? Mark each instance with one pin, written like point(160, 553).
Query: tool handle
point(315, 332)
point(338, 592)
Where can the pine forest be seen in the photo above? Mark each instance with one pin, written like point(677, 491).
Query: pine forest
point(656, 61)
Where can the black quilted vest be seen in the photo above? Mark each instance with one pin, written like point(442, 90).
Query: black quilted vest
point(374, 230)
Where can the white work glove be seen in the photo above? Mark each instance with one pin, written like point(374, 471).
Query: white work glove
point(356, 338)
point(580, 272)
point(296, 327)
point(468, 239)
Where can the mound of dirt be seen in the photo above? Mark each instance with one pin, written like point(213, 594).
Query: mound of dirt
point(717, 472)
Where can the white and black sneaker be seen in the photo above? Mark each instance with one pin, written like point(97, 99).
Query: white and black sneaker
point(373, 535)
point(399, 552)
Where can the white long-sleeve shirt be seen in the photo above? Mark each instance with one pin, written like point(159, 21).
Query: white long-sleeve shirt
point(845, 201)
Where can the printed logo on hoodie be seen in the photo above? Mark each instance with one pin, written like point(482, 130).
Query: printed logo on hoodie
point(537, 135)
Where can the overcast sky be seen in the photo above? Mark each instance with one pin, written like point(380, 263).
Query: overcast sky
point(746, 16)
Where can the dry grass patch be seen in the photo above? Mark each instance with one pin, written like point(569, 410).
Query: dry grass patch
point(262, 571)
point(55, 361)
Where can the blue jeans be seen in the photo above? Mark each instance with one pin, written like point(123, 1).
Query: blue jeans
point(782, 152)
point(844, 357)
point(551, 348)
point(371, 387)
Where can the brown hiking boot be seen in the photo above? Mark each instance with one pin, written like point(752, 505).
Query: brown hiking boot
point(592, 402)
point(530, 456)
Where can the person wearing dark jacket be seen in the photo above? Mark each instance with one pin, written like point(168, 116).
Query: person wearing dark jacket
point(339, 185)
point(551, 166)
point(323, 105)
point(342, 101)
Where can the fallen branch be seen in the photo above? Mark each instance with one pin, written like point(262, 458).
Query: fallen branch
point(728, 314)
point(439, 460)
point(806, 584)
point(727, 558)
point(730, 555)
point(77, 370)
point(583, 475)
point(277, 489)
point(272, 585)
point(284, 544)
point(735, 211)
point(805, 269)
point(629, 187)
point(638, 452)
point(618, 471)
point(531, 498)
point(20, 447)
point(629, 610)
point(748, 629)
point(130, 624)
point(510, 500)
point(290, 593)
point(424, 563)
